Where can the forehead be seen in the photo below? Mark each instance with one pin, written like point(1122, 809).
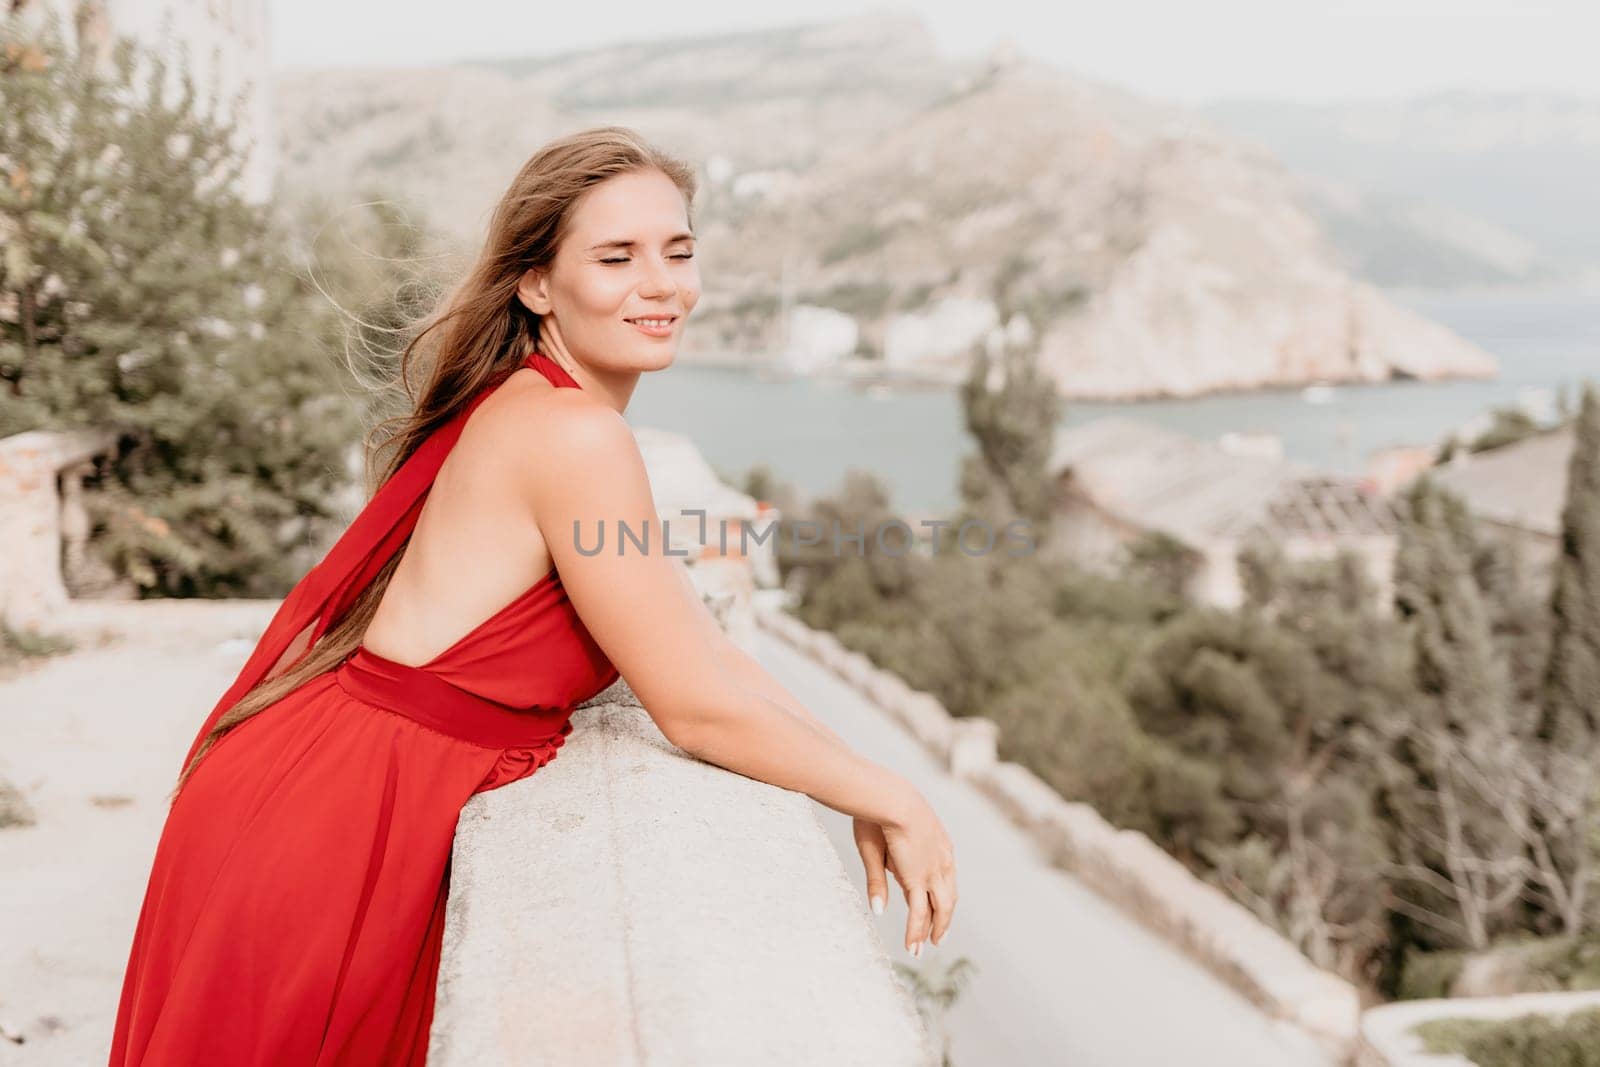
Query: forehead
point(643, 206)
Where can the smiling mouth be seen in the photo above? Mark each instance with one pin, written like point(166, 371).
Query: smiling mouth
point(654, 320)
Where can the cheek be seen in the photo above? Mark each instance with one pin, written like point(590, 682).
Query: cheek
point(599, 297)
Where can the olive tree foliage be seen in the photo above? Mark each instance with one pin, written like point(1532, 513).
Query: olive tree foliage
point(141, 293)
point(1270, 715)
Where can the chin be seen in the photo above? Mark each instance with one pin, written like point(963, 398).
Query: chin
point(660, 358)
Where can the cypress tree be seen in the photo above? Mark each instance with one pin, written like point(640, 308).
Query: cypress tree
point(1566, 815)
point(1569, 716)
point(1457, 666)
point(1459, 870)
point(1013, 422)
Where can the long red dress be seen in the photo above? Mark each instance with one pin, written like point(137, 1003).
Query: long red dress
point(295, 909)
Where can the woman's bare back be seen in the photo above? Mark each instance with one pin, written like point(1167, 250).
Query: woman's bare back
point(476, 547)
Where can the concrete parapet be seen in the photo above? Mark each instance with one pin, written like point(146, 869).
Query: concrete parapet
point(629, 904)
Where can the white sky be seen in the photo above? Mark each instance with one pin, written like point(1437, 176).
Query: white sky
point(1183, 50)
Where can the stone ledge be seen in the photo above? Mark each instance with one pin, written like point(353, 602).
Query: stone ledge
point(629, 904)
point(42, 520)
point(1124, 866)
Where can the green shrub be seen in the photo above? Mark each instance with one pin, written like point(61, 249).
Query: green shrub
point(1428, 975)
point(14, 807)
point(15, 644)
point(1566, 962)
point(1561, 1041)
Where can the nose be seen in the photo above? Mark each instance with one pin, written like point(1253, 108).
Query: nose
point(657, 280)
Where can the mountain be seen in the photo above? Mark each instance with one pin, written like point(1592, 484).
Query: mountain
point(1444, 189)
point(869, 205)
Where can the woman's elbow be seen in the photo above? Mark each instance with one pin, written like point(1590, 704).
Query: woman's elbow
point(688, 711)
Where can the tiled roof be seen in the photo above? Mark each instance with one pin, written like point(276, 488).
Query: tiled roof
point(1195, 490)
point(1523, 485)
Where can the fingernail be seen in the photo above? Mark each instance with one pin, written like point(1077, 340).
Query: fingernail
point(877, 905)
point(916, 950)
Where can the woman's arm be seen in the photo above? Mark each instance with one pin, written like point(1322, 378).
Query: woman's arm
point(587, 488)
point(587, 484)
point(745, 669)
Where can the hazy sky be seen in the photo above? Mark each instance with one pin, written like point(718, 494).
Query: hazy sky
point(1180, 50)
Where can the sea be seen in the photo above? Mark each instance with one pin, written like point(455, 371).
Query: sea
point(812, 431)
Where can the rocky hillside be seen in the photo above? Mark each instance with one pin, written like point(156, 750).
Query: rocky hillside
point(870, 206)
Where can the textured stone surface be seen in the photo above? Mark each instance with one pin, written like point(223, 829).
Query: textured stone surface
point(32, 466)
point(629, 904)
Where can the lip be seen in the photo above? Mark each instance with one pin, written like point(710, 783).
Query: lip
point(659, 331)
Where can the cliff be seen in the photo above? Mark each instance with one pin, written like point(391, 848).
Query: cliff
point(870, 206)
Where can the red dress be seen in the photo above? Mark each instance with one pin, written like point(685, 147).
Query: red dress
point(295, 908)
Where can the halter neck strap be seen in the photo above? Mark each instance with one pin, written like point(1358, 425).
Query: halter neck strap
point(321, 598)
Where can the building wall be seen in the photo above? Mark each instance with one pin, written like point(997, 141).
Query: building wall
point(1216, 581)
point(1087, 534)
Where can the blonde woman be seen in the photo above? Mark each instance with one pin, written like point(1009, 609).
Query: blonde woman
point(295, 907)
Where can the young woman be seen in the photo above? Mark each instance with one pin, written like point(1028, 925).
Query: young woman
point(295, 908)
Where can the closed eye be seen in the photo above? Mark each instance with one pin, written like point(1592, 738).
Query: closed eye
point(624, 259)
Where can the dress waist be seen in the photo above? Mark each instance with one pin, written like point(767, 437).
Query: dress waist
point(428, 699)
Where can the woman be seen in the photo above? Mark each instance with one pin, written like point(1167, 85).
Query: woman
point(296, 903)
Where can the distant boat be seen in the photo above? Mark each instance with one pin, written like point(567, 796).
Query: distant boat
point(1317, 394)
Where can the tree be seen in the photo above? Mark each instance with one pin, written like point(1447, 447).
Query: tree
point(1454, 770)
point(1011, 409)
point(141, 292)
point(1262, 722)
point(1567, 809)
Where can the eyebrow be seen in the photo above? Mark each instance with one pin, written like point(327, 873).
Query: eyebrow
point(630, 244)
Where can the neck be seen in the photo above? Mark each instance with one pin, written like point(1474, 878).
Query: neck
point(612, 389)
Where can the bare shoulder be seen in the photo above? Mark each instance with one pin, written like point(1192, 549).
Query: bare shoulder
point(561, 435)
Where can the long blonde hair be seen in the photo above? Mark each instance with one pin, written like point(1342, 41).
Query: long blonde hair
point(476, 336)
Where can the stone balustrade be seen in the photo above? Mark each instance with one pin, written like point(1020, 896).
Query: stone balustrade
point(43, 524)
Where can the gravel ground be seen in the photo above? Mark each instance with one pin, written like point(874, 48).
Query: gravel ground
point(92, 741)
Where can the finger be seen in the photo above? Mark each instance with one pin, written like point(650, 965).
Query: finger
point(872, 858)
point(944, 906)
point(917, 921)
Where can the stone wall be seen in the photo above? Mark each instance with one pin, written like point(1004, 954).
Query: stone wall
point(42, 521)
point(630, 904)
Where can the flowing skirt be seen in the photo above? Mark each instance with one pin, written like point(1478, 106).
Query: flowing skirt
point(295, 908)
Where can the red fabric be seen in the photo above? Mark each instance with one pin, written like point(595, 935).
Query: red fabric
point(295, 908)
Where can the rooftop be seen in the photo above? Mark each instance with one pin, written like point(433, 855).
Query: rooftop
point(1194, 489)
point(1523, 484)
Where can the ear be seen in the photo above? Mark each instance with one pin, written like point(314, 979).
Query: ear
point(533, 291)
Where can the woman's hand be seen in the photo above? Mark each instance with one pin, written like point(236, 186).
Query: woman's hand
point(917, 851)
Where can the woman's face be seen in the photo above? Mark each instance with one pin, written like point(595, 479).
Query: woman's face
point(627, 255)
